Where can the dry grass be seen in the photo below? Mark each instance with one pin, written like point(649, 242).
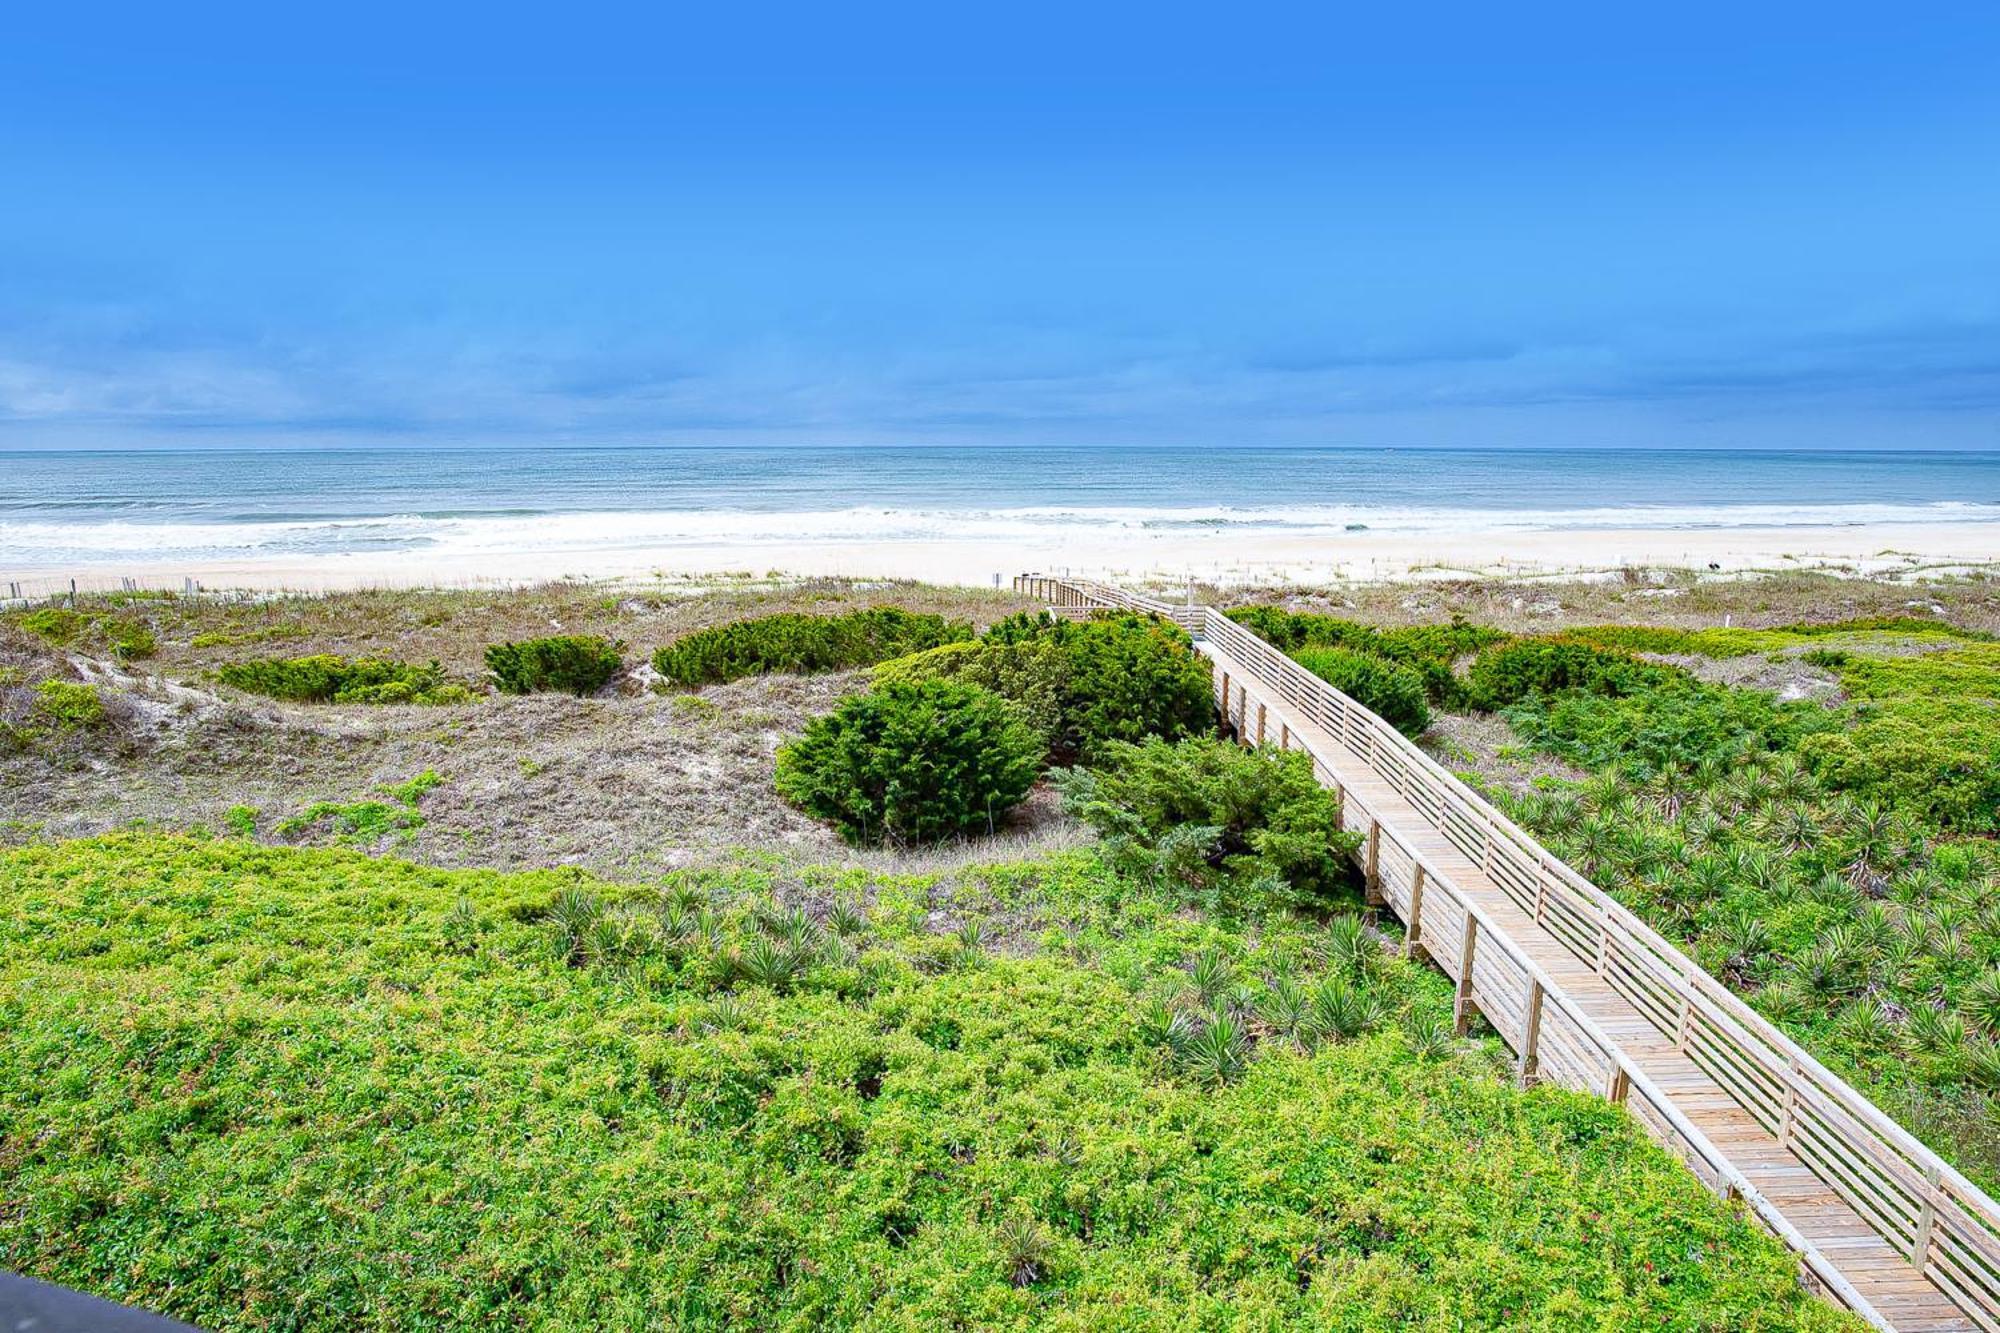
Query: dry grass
point(631, 783)
point(634, 783)
point(454, 626)
point(1676, 598)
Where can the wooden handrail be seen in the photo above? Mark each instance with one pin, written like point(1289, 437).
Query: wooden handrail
point(1890, 1178)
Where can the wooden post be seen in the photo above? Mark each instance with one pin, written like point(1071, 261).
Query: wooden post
point(1531, 1039)
point(1284, 736)
point(1461, 1005)
point(1260, 724)
point(1920, 1245)
point(1225, 701)
point(1790, 1107)
point(1621, 1084)
point(1415, 926)
point(1371, 879)
point(1681, 1028)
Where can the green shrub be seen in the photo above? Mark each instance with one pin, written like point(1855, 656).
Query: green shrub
point(60, 627)
point(67, 706)
point(131, 642)
point(1122, 678)
point(793, 642)
point(912, 763)
point(1032, 674)
point(570, 663)
point(1394, 692)
point(1239, 828)
point(54, 624)
point(1512, 671)
point(1428, 650)
point(325, 678)
point(1292, 630)
point(1943, 768)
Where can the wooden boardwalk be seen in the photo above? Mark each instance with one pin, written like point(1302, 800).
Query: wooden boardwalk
point(1587, 996)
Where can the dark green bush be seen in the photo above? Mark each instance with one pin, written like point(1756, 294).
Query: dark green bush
point(912, 762)
point(1428, 650)
point(571, 663)
point(1393, 691)
point(1241, 828)
point(1512, 671)
point(1032, 674)
point(1119, 677)
point(801, 643)
point(325, 678)
point(1292, 630)
point(1081, 684)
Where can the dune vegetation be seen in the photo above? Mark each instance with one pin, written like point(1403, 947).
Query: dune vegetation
point(256, 1086)
point(1828, 854)
point(887, 957)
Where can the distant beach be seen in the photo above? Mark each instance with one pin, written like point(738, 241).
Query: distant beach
point(346, 518)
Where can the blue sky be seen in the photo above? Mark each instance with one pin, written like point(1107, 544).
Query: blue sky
point(1742, 225)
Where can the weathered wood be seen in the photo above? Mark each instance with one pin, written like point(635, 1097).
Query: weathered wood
point(1414, 927)
point(1531, 1037)
point(1461, 1005)
point(1371, 877)
point(1920, 1248)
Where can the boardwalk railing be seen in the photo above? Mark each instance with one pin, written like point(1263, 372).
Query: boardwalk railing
point(1947, 1227)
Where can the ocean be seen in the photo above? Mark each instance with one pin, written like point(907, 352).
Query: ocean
point(83, 509)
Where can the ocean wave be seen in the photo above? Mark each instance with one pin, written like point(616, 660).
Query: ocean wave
point(61, 540)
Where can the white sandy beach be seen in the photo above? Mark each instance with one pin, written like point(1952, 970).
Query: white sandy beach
point(1226, 557)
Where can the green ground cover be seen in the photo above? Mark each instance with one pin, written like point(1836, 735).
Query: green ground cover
point(1721, 642)
point(794, 642)
point(267, 1087)
point(1834, 863)
point(1832, 859)
point(124, 638)
point(323, 678)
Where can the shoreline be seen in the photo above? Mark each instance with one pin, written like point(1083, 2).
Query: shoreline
point(1220, 558)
